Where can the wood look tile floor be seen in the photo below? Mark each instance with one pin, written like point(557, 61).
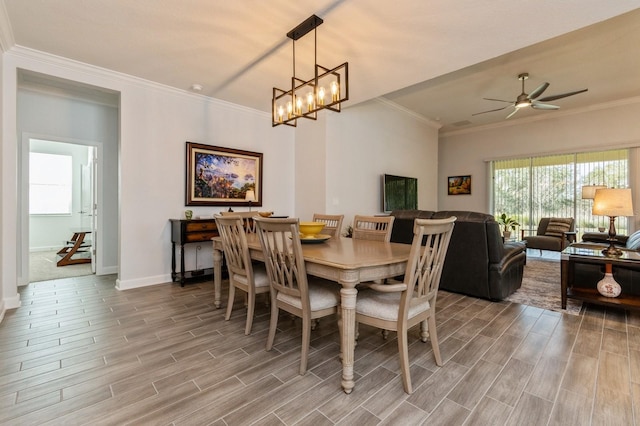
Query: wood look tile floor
point(79, 351)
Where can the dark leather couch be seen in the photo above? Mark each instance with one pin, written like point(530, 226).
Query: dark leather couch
point(478, 262)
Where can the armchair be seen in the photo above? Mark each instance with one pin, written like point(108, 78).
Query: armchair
point(553, 234)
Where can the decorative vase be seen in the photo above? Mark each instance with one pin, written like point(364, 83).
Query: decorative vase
point(506, 234)
point(608, 286)
point(188, 214)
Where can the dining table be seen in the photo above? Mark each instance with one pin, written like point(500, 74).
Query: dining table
point(346, 261)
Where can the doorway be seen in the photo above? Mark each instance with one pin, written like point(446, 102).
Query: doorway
point(62, 208)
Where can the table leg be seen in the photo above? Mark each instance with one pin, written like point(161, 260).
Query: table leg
point(564, 278)
point(217, 277)
point(348, 295)
point(181, 265)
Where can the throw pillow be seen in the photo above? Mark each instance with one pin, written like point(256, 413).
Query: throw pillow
point(633, 243)
point(558, 226)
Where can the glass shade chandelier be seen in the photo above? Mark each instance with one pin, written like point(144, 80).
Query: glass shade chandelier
point(326, 90)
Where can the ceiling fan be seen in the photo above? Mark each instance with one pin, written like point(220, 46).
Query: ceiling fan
point(532, 99)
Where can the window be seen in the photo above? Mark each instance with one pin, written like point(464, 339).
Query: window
point(50, 183)
point(551, 186)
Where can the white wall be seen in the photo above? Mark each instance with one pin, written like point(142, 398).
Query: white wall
point(466, 152)
point(370, 139)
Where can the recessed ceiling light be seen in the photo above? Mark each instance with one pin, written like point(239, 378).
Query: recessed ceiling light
point(196, 87)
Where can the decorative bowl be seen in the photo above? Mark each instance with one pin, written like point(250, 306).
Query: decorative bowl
point(310, 229)
point(265, 214)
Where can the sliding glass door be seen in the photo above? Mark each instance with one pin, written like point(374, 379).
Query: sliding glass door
point(551, 186)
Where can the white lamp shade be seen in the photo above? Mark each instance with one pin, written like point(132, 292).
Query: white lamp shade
point(613, 202)
point(589, 191)
point(250, 195)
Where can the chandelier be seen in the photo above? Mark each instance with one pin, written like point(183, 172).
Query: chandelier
point(326, 90)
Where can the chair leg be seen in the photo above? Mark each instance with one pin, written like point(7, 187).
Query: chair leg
point(433, 335)
point(232, 296)
point(273, 324)
point(251, 304)
point(403, 351)
point(385, 334)
point(306, 339)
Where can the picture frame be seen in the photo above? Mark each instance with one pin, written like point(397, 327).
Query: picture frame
point(459, 185)
point(219, 176)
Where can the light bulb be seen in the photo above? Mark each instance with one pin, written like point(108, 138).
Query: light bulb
point(280, 113)
point(298, 105)
point(289, 109)
point(310, 101)
point(321, 95)
point(334, 91)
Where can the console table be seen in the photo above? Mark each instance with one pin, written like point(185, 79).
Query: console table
point(190, 231)
point(587, 292)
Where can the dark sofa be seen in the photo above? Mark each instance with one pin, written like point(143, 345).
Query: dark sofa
point(478, 262)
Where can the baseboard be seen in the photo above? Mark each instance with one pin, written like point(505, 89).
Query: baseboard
point(9, 303)
point(142, 282)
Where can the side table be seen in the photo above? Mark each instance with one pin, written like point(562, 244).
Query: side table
point(583, 254)
point(190, 231)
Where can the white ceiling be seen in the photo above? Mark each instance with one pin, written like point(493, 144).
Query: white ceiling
point(438, 58)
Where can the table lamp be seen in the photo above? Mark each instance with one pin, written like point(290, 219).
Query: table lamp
point(250, 197)
point(589, 191)
point(612, 202)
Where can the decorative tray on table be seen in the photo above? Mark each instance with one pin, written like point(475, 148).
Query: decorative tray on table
point(314, 239)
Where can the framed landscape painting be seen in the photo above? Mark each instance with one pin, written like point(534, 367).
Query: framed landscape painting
point(459, 185)
point(218, 176)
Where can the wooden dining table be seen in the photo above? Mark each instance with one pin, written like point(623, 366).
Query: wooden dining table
point(346, 261)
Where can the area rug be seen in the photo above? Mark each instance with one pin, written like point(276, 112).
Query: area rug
point(43, 267)
point(541, 287)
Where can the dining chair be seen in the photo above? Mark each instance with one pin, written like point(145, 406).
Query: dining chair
point(243, 274)
point(374, 228)
point(400, 306)
point(292, 290)
point(247, 220)
point(332, 223)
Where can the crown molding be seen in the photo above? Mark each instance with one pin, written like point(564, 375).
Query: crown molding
point(113, 79)
point(429, 122)
point(544, 117)
point(6, 32)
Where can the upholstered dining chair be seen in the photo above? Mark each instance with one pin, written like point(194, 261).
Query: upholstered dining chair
point(375, 228)
point(332, 223)
point(292, 291)
point(243, 274)
point(400, 306)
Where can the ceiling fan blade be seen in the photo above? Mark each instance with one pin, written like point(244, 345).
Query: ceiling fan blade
point(539, 105)
point(513, 113)
point(533, 95)
point(491, 110)
point(562, 95)
point(497, 100)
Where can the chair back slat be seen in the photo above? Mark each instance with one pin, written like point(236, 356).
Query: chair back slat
point(373, 228)
point(280, 241)
point(332, 223)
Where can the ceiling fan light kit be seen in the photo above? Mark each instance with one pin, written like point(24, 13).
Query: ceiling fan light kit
point(326, 90)
point(532, 99)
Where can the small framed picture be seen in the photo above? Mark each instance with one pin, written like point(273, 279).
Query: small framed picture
point(219, 176)
point(459, 185)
